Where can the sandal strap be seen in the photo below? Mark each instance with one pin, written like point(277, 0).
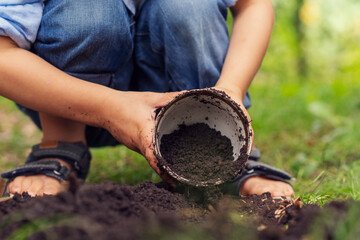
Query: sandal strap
point(255, 168)
point(255, 154)
point(76, 154)
point(50, 168)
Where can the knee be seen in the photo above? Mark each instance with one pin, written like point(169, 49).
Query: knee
point(104, 25)
point(84, 25)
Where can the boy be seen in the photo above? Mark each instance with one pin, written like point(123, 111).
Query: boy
point(133, 56)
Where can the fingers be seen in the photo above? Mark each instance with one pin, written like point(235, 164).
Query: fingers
point(165, 98)
point(153, 162)
point(15, 186)
point(36, 185)
point(235, 96)
point(250, 126)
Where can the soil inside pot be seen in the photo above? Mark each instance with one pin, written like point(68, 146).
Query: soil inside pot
point(200, 153)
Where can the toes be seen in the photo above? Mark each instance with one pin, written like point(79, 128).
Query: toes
point(16, 185)
point(260, 185)
point(289, 192)
point(36, 187)
point(26, 183)
point(283, 190)
point(51, 190)
point(10, 187)
point(265, 189)
point(277, 194)
point(51, 187)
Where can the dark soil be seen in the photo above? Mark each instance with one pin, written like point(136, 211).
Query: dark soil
point(200, 153)
point(94, 211)
point(155, 211)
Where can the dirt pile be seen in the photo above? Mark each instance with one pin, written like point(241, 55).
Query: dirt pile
point(200, 153)
point(155, 211)
point(94, 211)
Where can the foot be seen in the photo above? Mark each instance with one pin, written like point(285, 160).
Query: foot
point(55, 130)
point(38, 185)
point(259, 185)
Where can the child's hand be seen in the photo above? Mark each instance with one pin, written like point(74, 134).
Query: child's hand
point(238, 98)
point(132, 122)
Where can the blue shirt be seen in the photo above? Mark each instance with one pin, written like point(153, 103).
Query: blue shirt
point(20, 19)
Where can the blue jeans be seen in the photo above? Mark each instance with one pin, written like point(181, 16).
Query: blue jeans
point(169, 45)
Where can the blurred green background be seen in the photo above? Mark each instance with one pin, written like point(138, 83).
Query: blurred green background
point(305, 106)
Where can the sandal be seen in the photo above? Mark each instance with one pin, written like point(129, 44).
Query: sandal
point(255, 168)
point(76, 154)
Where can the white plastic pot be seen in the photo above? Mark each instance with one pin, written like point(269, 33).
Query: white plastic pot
point(209, 106)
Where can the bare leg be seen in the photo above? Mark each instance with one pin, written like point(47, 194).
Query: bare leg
point(55, 129)
point(60, 129)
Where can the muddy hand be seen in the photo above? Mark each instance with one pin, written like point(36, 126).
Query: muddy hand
point(239, 100)
point(133, 119)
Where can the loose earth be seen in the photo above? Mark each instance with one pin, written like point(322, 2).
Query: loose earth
point(200, 153)
point(156, 211)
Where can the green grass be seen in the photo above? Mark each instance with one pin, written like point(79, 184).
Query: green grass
point(310, 129)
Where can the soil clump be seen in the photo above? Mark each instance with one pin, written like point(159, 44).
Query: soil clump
point(156, 211)
point(200, 153)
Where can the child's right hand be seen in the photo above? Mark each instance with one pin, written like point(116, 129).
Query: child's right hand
point(132, 122)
